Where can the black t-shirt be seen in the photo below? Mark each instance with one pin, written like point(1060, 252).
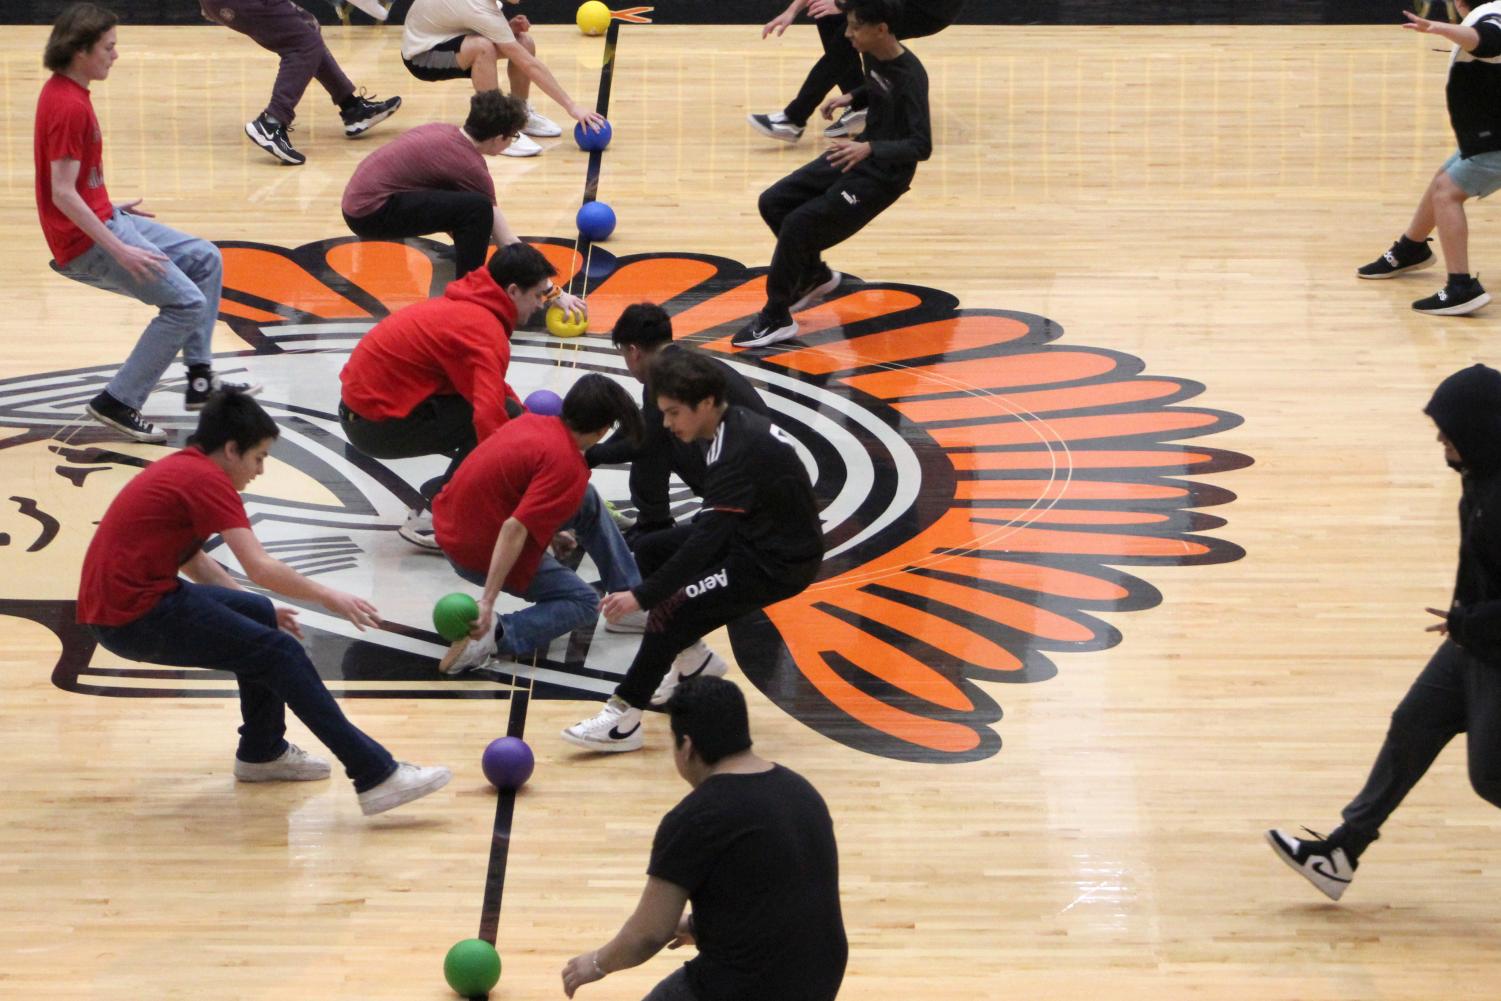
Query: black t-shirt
point(756, 854)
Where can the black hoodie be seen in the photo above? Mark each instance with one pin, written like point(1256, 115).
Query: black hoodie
point(1467, 409)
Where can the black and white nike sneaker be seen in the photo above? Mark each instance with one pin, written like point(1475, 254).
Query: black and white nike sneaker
point(616, 727)
point(1323, 864)
point(698, 661)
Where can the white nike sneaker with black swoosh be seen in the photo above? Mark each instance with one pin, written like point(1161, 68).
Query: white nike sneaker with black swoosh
point(1324, 865)
point(698, 661)
point(616, 727)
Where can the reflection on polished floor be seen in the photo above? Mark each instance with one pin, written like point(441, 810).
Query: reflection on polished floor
point(1131, 511)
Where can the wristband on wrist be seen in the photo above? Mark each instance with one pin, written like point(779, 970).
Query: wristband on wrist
point(594, 958)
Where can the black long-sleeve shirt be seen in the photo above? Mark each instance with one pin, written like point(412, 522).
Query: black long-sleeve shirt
point(898, 126)
point(757, 498)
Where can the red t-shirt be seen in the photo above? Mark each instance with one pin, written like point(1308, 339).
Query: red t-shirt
point(66, 129)
point(155, 525)
point(531, 470)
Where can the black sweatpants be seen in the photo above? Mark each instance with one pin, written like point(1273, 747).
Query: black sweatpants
point(439, 425)
point(839, 66)
point(810, 210)
point(466, 216)
point(1456, 693)
point(730, 585)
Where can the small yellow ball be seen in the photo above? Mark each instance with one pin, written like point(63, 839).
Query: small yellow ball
point(559, 325)
point(593, 18)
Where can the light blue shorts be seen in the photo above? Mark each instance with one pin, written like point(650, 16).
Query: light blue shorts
point(1478, 176)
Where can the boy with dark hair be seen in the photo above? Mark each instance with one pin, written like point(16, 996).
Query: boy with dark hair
point(282, 27)
point(1460, 689)
point(134, 603)
point(831, 199)
point(433, 179)
point(839, 66)
point(430, 379)
point(757, 541)
point(642, 333)
point(455, 39)
point(509, 502)
point(1474, 171)
point(752, 849)
point(119, 248)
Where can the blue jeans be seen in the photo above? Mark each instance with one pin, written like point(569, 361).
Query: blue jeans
point(200, 625)
point(186, 293)
point(560, 601)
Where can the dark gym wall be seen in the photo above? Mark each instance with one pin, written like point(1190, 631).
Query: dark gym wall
point(757, 11)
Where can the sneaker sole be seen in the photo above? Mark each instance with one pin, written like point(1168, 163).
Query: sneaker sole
point(375, 10)
point(193, 408)
point(361, 127)
point(543, 133)
point(520, 156)
point(714, 666)
point(157, 437)
point(623, 630)
point(391, 802)
point(1400, 271)
point(817, 294)
point(786, 333)
point(427, 544)
point(634, 743)
point(1459, 310)
point(310, 776)
point(1292, 864)
point(455, 651)
point(772, 133)
point(270, 147)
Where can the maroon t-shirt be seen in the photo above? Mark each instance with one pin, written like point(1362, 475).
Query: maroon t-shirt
point(436, 157)
point(155, 525)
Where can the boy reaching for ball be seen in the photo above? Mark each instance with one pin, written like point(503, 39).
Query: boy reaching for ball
point(137, 607)
point(430, 379)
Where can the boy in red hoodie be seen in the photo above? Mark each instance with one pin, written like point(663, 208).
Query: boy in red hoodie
point(430, 379)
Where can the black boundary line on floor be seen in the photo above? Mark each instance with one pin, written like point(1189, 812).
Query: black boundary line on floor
point(505, 804)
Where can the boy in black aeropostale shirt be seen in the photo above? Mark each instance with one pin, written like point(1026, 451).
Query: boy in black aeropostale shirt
point(752, 849)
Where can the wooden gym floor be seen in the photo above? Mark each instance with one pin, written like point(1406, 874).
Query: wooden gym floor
point(1139, 512)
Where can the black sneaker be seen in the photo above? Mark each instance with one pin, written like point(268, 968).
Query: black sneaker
point(847, 124)
point(271, 136)
point(818, 290)
point(1455, 299)
point(203, 384)
point(362, 113)
point(763, 330)
point(1322, 863)
point(1395, 262)
point(110, 412)
point(776, 126)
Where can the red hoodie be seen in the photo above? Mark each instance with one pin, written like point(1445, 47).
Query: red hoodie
point(458, 343)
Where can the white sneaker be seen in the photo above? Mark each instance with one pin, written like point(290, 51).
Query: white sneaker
point(696, 661)
point(521, 146)
point(817, 293)
point(377, 10)
point(465, 653)
point(1326, 866)
point(632, 623)
point(294, 765)
point(418, 530)
point(539, 125)
point(616, 727)
point(407, 783)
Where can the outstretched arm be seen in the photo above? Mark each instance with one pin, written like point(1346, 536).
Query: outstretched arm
point(274, 575)
point(539, 74)
point(653, 925)
point(1465, 37)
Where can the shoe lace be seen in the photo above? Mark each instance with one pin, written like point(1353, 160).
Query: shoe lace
point(1316, 835)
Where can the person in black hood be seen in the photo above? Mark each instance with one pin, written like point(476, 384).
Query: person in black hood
point(1460, 689)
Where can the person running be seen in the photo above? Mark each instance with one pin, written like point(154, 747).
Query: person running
point(137, 607)
point(284, 28)
point(831, 199)
point(839, 66)
point(459, 39)
point(430, 379)
point(119, 248)
point(757, 541)
point(1459, 691)
point(752, 849)
point(506, 506)
point(1473, 171)
point(642, 333)
point(433, 179)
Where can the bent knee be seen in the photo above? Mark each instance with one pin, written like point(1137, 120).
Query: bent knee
point(479, 47)
point(527, 42)
point(1487, 786)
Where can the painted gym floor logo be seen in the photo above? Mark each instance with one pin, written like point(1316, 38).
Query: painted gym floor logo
point(983, 487)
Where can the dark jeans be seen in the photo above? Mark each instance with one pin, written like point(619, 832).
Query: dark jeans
point(200, 625)
point(439, 425)
point(466, 216)
point(675, 987)
point(810, 210)
point(1455, 693)
point(293, 34)
point(839, 66)
point(730, 585)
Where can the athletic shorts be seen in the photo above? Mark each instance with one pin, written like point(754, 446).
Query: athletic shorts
point(1477, 176)
point(441, 62)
